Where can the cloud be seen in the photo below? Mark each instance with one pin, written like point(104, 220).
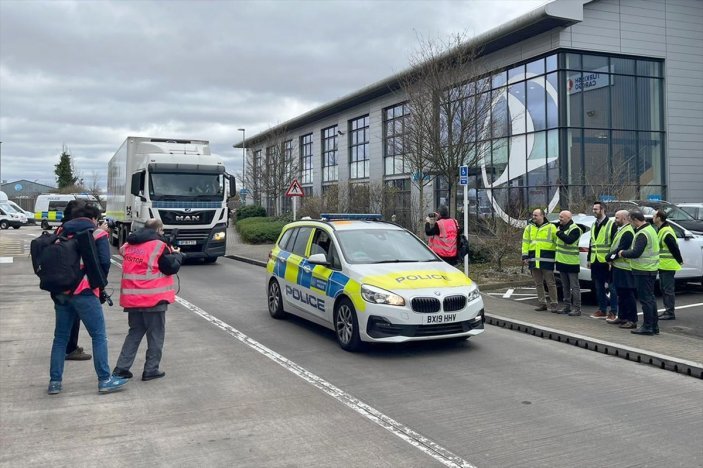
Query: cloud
point(89, 74)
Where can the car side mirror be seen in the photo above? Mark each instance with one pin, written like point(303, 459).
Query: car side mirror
point(687, 234)
point(318, 259)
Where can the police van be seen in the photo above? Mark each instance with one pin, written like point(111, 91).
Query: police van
point(48, 209)
point(369, 281)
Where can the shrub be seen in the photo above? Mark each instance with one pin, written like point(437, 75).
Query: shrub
point(250, 211)
point(260, 230)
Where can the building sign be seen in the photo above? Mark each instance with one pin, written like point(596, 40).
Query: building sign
point(589, 81)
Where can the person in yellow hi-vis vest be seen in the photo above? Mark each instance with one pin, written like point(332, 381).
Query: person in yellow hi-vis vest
point(644, 261)
point(568, 264)
point(670, 261)
point(623, 280)
point(539, 252)
point(602, 234)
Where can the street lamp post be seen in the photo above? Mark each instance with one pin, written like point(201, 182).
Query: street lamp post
point(244, 155)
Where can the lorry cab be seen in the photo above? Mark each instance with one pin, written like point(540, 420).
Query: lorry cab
point(49, 207)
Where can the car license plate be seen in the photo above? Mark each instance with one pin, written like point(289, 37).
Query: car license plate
point(439, 318)
point(186, 242)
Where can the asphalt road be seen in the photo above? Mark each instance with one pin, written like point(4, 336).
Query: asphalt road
point(500, 399)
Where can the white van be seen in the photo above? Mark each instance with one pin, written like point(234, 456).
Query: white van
point(9, 217)
point(49, 207)
point(20, 210)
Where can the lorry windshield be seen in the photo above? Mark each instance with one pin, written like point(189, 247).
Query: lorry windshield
point(181, 186)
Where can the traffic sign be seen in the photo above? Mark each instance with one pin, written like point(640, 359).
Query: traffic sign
point(463, 175)
point(295, 190)
point(244, 191)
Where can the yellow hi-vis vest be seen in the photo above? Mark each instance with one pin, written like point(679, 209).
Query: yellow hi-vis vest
point(666, 259)
point(600, 246)
point(538, 244)
point(649, 260)
point(568, 254)
point(620, 262)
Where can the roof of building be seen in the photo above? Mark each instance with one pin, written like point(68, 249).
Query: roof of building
point(558, 13)
point(25, 187)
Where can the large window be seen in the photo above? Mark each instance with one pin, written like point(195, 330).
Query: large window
point(329, 154)
point(394, 134)
point(359, 148)
point(306, 159)
point(397, 202)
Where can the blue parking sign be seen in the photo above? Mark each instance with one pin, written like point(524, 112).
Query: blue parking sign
point(463, 175)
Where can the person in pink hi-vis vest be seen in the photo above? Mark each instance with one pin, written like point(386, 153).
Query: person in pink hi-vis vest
point(443, 235)
point(146, 290)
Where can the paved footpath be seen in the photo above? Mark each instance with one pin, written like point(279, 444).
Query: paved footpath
point(674, 351)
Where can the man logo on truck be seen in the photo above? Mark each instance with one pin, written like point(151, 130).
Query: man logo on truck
point(189, 218)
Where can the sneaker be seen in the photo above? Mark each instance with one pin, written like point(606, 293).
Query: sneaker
point(565, 310)
point(153, 375)
point(54, 387)
point(616, 321)
point(574, 313)
point(599, 314)
point(667, 316)
point(78, 355)
point(122, 373)
point(112, 384)
point(628, 324)
point(541, 307)
point(610, 316)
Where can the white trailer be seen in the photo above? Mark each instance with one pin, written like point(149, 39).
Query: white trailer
point(176, 181)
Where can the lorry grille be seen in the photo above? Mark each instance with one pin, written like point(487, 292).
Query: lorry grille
point(200, 235)
point(185, 218)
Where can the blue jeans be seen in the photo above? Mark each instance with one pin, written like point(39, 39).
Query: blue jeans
point(87, 308)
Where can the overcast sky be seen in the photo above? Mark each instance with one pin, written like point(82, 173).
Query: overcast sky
point(87, 74)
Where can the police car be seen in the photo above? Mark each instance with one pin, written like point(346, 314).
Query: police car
point(369, 281)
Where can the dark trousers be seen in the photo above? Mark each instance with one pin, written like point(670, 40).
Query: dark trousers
point(73, 337)
point(645, 293)
point(601, 275)
point(153, 324)
point(627, 304)
point(668, 287)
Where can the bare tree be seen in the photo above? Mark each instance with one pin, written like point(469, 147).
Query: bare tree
point(270, 173)
point(502, 240)
point(449, 104)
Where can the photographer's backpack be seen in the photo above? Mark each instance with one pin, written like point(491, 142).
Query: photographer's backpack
point(56, 260)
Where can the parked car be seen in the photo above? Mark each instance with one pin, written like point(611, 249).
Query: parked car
point(694, 209)
point(674, 213)
point(369, 281)
point(691, 246)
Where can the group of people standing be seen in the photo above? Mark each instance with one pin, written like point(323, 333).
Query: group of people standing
point(146, 291)
point(625, 255)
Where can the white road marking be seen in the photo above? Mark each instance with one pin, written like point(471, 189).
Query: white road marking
point(525, 298)
point(413, 438)
point(5, 259)
point(683, 307)
point(508, 293)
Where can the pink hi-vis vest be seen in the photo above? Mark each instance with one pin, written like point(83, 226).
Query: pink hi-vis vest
point(444, 244)
point(143, 285)
point(84, 284)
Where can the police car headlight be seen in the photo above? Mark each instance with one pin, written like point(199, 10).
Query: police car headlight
point(219, 236)
point(474, 294)
point(376, 295)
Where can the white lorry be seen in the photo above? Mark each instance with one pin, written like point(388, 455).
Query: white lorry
point(176, 181)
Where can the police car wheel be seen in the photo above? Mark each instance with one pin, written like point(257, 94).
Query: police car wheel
point(45, 225)
point(275, 301)
point(346, 326)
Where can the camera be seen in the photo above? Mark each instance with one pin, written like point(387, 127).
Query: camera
point(171, 238)
point(432, 215)
point(105, 298)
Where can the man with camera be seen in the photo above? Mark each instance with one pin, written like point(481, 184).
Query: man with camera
point(149, 262)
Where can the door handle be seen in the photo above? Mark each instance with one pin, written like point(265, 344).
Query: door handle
point(307, 269)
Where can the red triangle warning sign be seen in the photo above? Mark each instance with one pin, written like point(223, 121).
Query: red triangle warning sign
point(295, 190)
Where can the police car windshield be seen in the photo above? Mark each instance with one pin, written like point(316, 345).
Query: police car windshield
point(365, 246)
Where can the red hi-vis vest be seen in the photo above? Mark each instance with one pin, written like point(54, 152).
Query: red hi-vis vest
point(84, 284)
point(444, 244)
point(143, 285)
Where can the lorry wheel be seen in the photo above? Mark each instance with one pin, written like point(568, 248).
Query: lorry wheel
point(4, 224)
point(45, 225)
point(210, 259)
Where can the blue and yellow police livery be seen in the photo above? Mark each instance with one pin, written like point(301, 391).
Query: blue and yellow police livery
point(369, 281)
